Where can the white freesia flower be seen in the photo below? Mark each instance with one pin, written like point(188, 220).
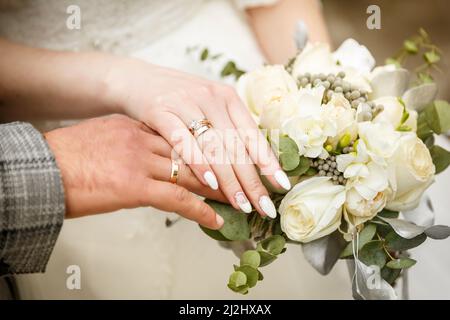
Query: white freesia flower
point(339, 111)
point(312, 209)
point(381, 140)
point(413, 173)
point(264, 86)
point(310, 127)
point(393, 113)
point(367, 186)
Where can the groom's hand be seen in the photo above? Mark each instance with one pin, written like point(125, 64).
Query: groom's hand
point(114, 162)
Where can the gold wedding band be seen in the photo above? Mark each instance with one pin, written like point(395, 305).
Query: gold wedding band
point(198, 127)
point(174, 172)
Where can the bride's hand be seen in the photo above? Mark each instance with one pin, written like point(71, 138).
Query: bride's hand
point(168, 100)
point(115, 162)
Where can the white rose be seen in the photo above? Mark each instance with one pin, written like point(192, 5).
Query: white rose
point(275, 112)
point(314, 58)
point(393, 113)
point(265, 85)
point(413, 173)
point(312, 209)
point(358, 210)
point(354, 55)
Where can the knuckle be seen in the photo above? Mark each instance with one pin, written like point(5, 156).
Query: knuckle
point(181, 194)
point(203, 213)
point(255, 185)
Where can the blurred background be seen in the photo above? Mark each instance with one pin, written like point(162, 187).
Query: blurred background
point(400, 19)
point(430, 278)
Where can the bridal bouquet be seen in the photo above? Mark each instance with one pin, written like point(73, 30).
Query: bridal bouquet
point(357, 142)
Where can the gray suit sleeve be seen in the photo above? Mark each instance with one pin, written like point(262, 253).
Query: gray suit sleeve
point(31, 200)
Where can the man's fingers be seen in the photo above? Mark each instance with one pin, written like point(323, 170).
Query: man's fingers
point(183, 202)
point(161, 169)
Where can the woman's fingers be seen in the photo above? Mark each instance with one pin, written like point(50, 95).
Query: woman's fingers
point(173, 198)
point(242, 165)
point(215, 153)
point(184, 144)
point(257, 146)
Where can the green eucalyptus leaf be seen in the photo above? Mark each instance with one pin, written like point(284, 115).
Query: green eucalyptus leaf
point(251, 258)
point(273, 244)
point(236, 226)
point(204, 54)
point(237, 279)
point(390, 275)
point(438, 116)
point(251, 275)
point(425, 78)
point(410, 46)
point(289, 160)
point(431, 57)
point(372, 253)
point(441, 158)
point(385, 213)
point(401, 263)
point(242, 289)
point(287, 145)
point(260, 276)
point(394, 242)
point(302, 168)
point(215, 234)
point(424, 130)
point(266, 258)
point(365, 236)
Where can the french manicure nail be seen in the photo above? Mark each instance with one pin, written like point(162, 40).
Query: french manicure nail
point(219, 220)
point(243, 202)
point(282, 179)
point(268, 207)
point(211, 180)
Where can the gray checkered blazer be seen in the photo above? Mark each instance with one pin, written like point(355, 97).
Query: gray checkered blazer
point(31, 200)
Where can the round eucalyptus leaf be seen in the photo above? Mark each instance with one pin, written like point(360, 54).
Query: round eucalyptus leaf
point(236, 226)
point(364, 237)
point(287, 145)
point(273, 244)
point(373, 254)
point(251, 274)
point(266, 258)
point(396, 243)
point(402, 263)
point(251, 258)
point(302, 168)
point(214, 234)
point(289, 160)
point(237, 279)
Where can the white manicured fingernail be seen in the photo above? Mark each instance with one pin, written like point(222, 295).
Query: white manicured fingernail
point(243, 202)
point(282, 179)
point(211, 180)
point(268, 207)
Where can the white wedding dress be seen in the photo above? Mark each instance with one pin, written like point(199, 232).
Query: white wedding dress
point(130, 254)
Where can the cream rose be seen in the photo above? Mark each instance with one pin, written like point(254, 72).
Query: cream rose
point(413, 173)
point(264, 86)
point(339, 111)
point(393, 113)
point(312, 209)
